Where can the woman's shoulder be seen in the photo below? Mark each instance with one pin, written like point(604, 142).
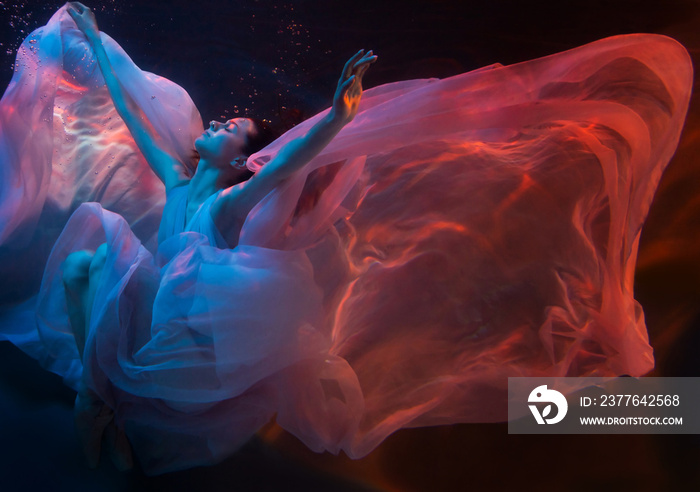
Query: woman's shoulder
point(173, 219)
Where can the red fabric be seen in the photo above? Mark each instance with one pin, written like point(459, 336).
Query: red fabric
point(456, 233)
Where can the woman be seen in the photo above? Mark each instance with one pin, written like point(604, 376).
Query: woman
point(467, 230)
point(220, 181)
point(222, 149)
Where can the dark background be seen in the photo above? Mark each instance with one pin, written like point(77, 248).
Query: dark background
point(280, 60)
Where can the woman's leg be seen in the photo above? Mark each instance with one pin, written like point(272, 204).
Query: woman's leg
point(81, 275)
point(76, 282)
point(93, 418)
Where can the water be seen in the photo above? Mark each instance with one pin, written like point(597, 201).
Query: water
point(281, 60)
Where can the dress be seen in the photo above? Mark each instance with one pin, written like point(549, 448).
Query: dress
point(167, 346)
point(457, 232)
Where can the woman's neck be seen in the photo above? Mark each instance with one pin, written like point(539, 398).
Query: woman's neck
point(207, 180)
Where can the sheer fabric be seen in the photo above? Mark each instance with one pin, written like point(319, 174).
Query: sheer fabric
point(457, 232)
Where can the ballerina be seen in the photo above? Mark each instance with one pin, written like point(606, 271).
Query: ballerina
point(221, 175)
point(455, 233)
point(223, 150)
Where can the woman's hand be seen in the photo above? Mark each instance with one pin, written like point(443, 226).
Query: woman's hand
point(349, 91)
point(236, 202)
point(84, 19)
point(170, 171)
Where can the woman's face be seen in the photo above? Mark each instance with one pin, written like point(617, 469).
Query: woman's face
point(225, 141)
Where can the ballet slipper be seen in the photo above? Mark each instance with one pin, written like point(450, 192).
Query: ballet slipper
point(118, 447)
point(91, 417)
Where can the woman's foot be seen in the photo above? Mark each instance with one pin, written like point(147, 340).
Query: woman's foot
point(94, 422)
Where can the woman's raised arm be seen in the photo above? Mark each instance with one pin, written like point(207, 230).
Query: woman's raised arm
point(170, 170)
point(234, 203)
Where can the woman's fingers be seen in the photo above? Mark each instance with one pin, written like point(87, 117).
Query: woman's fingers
point(357, 65)
point(79, 7)
point(349, 65)
point(365, 61)
point(362, 65)
point(346, 85)
point(83, 17)
point(368, 57)
point(78, 10)
point(347, 97)
point(361, 71)
point(76, 7)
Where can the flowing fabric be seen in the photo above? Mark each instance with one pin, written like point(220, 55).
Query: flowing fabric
point(456, 233)
point(62, 143)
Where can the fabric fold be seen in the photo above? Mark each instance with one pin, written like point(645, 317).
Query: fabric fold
point(458, 232)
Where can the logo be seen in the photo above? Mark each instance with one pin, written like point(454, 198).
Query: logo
point(543, 395)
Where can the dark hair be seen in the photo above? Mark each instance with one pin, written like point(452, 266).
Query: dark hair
point(265, 134)
point(263, 137)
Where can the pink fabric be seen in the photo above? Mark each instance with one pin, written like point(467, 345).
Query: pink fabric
point(63, 143)
point(189, 364)
point(457, 232)
point(497, 229)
